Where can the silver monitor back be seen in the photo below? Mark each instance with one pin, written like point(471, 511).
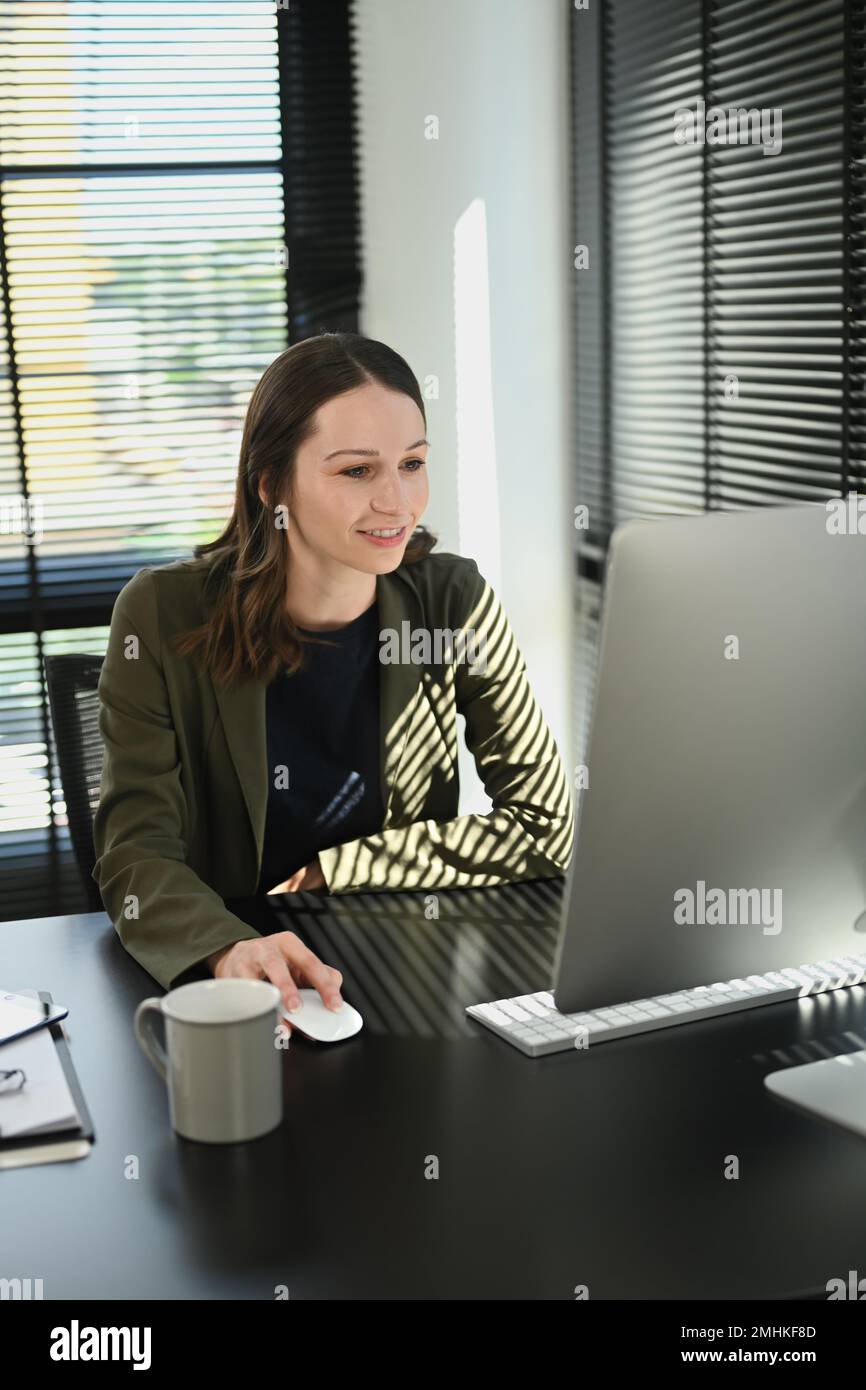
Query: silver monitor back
point(744, 773)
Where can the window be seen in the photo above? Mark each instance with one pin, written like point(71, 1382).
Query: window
point(719, 326)
point(177, 205)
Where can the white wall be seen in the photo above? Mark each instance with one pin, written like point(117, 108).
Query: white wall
point(465, 241)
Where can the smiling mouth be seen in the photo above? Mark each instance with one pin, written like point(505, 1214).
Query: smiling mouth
point(383, 533)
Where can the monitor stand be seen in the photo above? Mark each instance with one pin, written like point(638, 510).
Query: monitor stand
point(834, 1089)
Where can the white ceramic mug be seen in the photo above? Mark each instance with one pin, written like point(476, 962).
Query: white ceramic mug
point(222, 1059)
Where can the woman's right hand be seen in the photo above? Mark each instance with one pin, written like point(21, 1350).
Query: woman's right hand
point(283, 959)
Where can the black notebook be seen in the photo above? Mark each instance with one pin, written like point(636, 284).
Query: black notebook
point(58, 1144)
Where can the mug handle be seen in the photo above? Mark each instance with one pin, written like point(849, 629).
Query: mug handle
point(150, 1044)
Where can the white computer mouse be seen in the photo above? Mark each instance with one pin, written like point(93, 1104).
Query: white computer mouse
point(315, 1020)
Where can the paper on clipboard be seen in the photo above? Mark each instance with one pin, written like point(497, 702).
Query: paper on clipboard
point(44, 1103)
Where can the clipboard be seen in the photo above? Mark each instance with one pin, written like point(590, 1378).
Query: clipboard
point(60, 1144)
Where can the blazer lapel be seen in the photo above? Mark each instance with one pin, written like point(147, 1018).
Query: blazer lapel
point(399, 683)
point(242, 710)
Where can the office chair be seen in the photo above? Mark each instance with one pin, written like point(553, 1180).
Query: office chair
point(72, 679)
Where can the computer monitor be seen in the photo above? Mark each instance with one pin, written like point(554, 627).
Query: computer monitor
point(723, 829)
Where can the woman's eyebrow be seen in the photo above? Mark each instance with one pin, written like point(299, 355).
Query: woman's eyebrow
point(372, 453)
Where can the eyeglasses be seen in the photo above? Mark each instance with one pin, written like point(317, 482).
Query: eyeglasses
point(6, 1083)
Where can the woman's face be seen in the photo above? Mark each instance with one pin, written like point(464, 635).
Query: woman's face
point(363, 470)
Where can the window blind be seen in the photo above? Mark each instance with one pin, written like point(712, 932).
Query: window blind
point(720, 336)
point(854, 246)
point(177, 205)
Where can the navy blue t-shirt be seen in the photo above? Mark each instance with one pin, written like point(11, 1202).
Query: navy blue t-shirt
point(323, 726)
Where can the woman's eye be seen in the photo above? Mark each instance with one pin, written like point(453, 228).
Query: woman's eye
point(360, 468)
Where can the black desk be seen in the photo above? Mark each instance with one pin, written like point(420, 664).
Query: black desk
point(603, 1167)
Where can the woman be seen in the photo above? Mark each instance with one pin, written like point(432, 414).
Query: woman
point(279, 712)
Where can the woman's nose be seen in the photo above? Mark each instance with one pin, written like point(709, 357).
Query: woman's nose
point(389, 496)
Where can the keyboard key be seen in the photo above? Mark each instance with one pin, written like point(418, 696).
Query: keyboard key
point(495, 1015)
point(533, 1005)
point(822, 978)
point(759, 982)
point(858, 970)
point(514, 1010)
point(798, 978)
point(676, 1003)
point(841, 972)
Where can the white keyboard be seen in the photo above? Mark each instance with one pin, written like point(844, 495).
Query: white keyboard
point(532, 1022)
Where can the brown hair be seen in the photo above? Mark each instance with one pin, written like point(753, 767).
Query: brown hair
point(249, 630)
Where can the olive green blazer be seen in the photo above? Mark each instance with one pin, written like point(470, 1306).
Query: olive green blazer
point(184, 787)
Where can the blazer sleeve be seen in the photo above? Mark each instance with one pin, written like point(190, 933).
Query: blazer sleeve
point(528, 834)
point(164, 914)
